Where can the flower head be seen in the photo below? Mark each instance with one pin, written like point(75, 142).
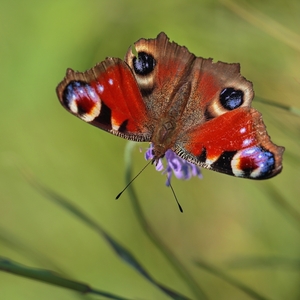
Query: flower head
point(181, 168)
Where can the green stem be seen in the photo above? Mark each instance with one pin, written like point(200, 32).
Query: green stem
point(168, 254)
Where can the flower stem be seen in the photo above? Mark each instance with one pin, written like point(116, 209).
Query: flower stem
point(155, 239)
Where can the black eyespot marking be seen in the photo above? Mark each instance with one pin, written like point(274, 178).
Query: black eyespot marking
point(123, 126)
point(202, 157)
point(231, 98)
point(208, 116)
point(105, 116)
point(146, 92)
point(223, 163)
point(144, 64)
point(71, 91)
point(255, 162)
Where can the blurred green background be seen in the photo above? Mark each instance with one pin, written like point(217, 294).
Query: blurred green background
point(227, 222)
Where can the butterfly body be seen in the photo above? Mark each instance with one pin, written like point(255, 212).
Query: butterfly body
point(166, 95)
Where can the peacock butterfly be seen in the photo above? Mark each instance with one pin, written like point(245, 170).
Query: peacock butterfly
point(166, 95)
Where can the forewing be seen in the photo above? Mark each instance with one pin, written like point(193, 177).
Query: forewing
point(107, 96)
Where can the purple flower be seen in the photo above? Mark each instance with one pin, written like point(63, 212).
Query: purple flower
point(182, 169)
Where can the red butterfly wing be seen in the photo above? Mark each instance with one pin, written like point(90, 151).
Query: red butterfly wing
point(167, 95)
point(235, 143)
point(108, 97)
point(201, 110)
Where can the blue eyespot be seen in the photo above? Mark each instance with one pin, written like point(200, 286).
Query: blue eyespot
point(231, 98)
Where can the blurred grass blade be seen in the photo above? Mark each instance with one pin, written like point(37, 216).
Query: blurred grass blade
point(11, 241)
point(265, 262)
point(264, 22)
point(168, 254)
point(284, 207)
point(51, 278)
point(218, 273)
point(291, 109)
point(126, 256)
point(123, 253)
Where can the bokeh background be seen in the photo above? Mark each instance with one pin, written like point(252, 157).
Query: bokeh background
point(250, 230)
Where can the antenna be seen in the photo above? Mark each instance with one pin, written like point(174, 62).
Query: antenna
point(179, 206)
point(169, 183)
point(130, 182)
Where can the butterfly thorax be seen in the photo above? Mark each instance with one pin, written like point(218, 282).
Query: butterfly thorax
point(163, 137)
point(165, 133)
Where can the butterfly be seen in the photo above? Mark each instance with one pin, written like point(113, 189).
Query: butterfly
point(165, 95)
